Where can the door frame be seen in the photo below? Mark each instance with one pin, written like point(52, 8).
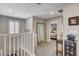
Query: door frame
point(37, 31)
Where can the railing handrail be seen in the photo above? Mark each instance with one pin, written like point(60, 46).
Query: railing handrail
point(13, 34)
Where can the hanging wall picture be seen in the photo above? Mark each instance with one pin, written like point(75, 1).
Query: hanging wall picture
point(73, 21)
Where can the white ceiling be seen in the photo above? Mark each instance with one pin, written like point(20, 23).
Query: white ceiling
point(25, 10)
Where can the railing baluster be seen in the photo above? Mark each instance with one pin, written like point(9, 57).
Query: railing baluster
point(24, 44)
point(14, 44)
point(4, 45)
point(33, 40)
point(27, 43)
point(18, 45)
point(30, 42)
point(9, 45)
point(21, 44)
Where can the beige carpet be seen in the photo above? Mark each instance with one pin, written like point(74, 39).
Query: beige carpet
point(45, 49)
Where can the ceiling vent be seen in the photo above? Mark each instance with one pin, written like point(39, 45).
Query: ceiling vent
point(60, 11)
point(38, 3)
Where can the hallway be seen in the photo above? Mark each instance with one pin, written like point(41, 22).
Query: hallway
point(45, 49)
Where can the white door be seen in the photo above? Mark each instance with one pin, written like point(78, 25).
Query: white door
point(41, 32)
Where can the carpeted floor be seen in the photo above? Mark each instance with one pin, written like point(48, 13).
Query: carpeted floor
point(45, 49)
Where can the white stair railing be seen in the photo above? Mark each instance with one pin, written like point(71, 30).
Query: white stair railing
point(21, 44)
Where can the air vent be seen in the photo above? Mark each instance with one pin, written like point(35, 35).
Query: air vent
point(60, 11)
point(38, 3)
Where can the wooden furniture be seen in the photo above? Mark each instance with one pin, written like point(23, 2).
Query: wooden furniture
point(59, 47)
point(70, 48)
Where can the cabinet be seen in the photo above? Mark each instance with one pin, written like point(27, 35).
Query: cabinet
point(70, 48)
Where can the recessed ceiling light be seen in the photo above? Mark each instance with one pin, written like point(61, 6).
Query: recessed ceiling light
point(52, 13)
point(10, 10)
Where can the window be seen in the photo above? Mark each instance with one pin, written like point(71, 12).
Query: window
point(16, 27)
point(13, 26)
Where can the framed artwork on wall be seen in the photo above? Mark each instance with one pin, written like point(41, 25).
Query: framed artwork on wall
point(73, 21)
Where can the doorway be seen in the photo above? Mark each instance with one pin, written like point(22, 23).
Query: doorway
point(40, 33)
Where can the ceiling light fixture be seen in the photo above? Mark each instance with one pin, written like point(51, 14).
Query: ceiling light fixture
point(51, 13)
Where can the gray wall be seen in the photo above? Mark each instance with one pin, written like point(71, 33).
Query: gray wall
point(4, 24)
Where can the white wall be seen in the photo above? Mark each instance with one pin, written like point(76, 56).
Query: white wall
point(59, 27)
point(29, 29)
point(71, 10)
point(29, 25)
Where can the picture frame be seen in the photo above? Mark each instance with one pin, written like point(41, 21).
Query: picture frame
point(73, 21)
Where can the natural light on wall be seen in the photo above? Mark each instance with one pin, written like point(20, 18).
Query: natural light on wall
point(13, 26)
